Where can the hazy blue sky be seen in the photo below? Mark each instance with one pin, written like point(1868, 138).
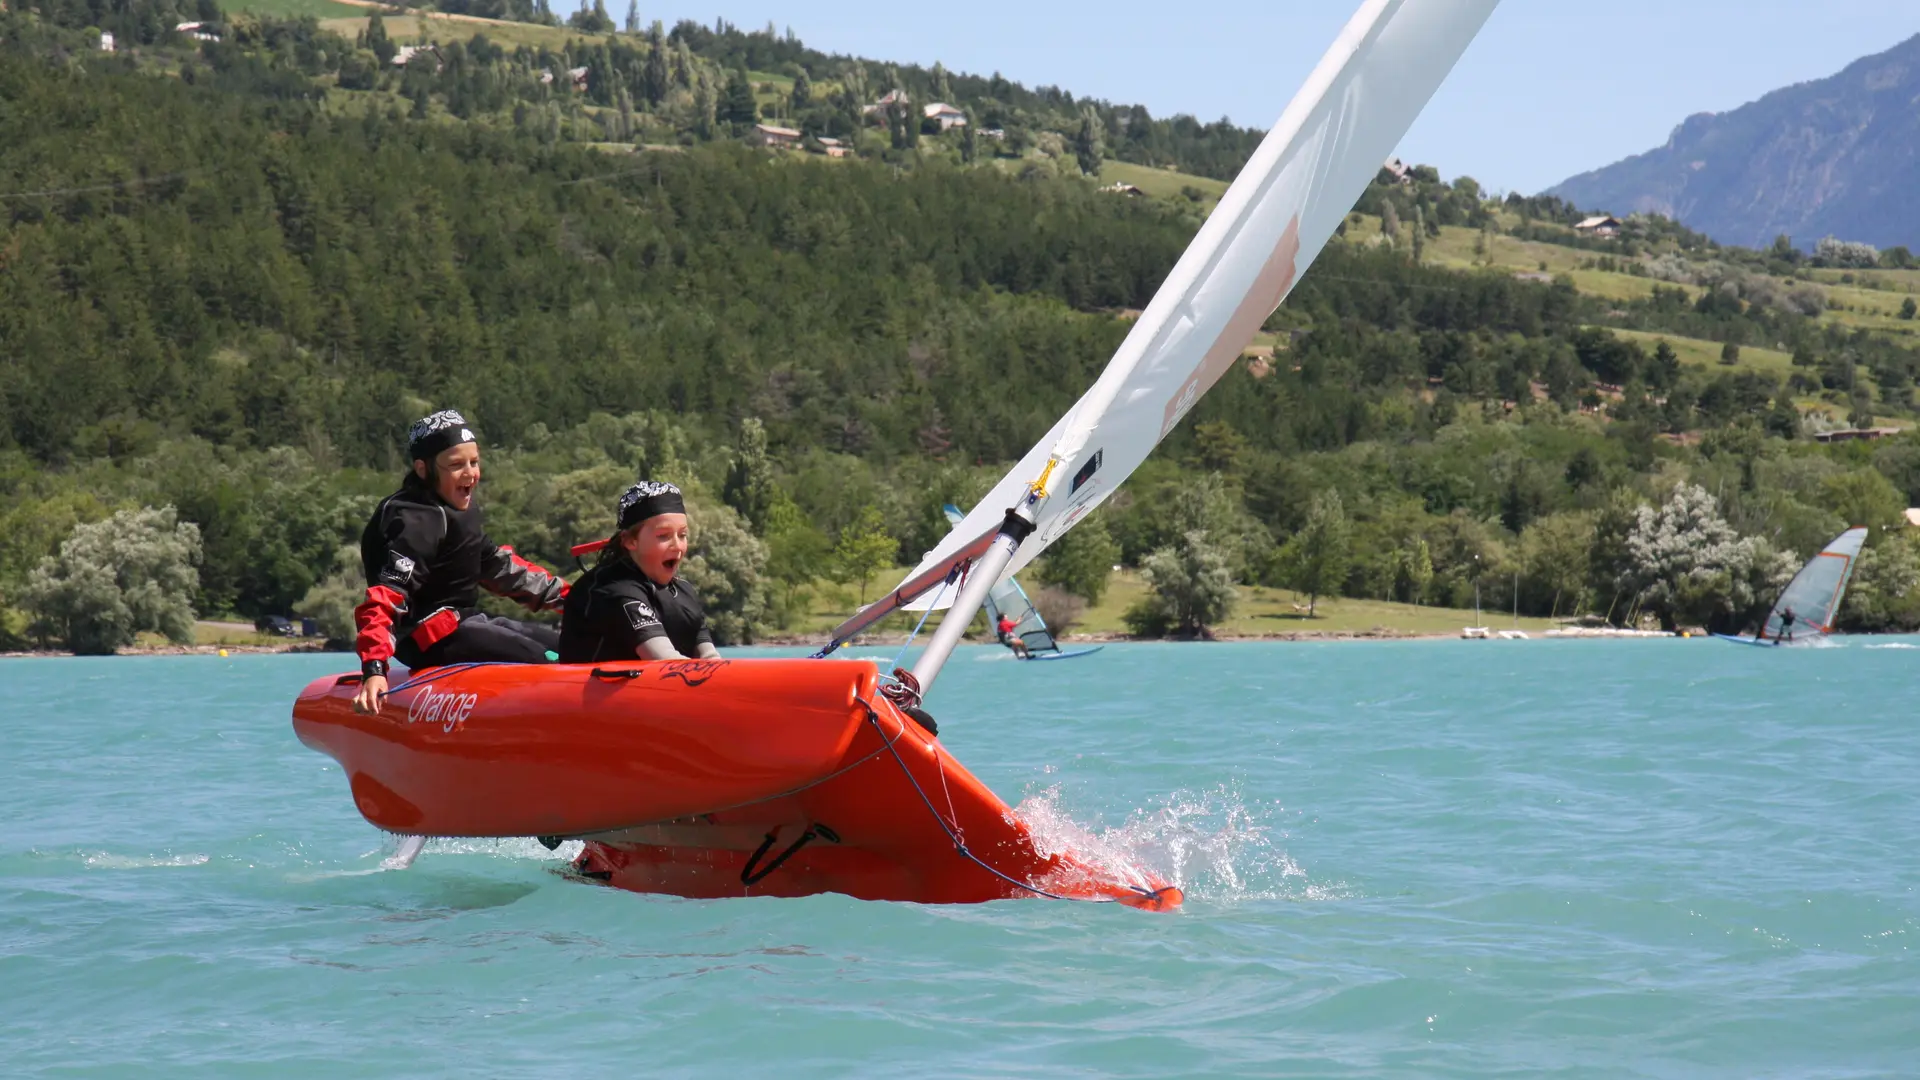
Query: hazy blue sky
point(1550, 89)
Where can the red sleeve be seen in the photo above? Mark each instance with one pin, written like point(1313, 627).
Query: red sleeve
point(373, 620)
point(507, 574)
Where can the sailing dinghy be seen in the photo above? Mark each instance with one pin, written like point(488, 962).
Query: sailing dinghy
point(1810, 604)
point(763, 777)
point(1007, 599)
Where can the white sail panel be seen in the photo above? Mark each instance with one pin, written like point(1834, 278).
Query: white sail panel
point(1815, 592)
point(1272, 222)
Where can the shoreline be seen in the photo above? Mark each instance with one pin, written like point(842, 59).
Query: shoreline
point(868, 641)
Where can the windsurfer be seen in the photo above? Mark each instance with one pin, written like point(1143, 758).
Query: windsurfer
point(426, 555)
point(1010, 639)
point(1786, 625)
point(632, 603)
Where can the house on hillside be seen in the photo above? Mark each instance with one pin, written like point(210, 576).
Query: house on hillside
point(769, 135)
point(993, 133)
point(407, 54)
point(198, 31)
point(1401, 172)
point(1128, 190)
point(579, 77)
point(1855, 434)
point(1606, 227)
point(948, 116)
point(833, 147)
point(891, 97)
point(106, 41)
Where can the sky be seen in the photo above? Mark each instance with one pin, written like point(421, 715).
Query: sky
point(1551, 88)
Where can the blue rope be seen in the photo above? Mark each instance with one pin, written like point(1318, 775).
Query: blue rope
point(435, 674)
point(908, 644)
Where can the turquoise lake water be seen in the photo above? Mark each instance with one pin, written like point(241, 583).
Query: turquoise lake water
point(1421, 859)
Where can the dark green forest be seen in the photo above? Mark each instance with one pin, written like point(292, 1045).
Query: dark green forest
point(226, 288)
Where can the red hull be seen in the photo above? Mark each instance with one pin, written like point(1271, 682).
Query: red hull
point(699, 779)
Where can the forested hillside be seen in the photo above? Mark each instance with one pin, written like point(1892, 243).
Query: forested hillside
point(228, 279)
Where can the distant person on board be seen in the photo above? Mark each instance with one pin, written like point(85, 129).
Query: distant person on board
point(426, 555)
point(1786, 625)
point(633, 604)
point(1010, 639)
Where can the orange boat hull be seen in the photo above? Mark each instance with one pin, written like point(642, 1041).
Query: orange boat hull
point(700, 779)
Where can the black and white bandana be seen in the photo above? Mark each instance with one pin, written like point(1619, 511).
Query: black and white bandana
point(649, 498)
point(431, 434)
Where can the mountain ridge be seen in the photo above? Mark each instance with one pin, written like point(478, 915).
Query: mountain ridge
point(1832, 156)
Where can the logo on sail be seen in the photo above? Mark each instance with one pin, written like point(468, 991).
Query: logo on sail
point(1269, 288)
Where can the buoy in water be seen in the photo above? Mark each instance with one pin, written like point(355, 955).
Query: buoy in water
point(223, 652)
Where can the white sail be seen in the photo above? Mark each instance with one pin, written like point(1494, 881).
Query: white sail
point(1815, 592)
point(1272, 222)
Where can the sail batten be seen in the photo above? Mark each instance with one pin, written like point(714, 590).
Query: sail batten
point(1274, 219)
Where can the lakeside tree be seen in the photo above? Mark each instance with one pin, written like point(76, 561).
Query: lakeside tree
point(1553, 555)
point(115, 578)
point(1190, 590)
point(1082, 561)
point(1314, 560)
point(331, 600)
point(865, 548)
point(1687, 565)
point(728, 567)
point(797, 553)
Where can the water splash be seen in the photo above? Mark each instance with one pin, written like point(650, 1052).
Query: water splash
point(1208, 843)
point(1894, 645)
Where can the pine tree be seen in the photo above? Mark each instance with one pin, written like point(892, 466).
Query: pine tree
point(633, 16)
point(750, 485)
point(1087, 148)
point(683, 68)
point(739, 107)
point(655, 78)
point(377, 39)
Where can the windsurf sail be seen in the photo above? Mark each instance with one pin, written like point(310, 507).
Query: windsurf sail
point(1273, 220)
point(1008, 599)
point(1814, 594)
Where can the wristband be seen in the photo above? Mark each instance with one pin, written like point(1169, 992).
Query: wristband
point(370, 668)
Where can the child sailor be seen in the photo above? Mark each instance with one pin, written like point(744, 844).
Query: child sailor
point(426, 554)
point(633, 603)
